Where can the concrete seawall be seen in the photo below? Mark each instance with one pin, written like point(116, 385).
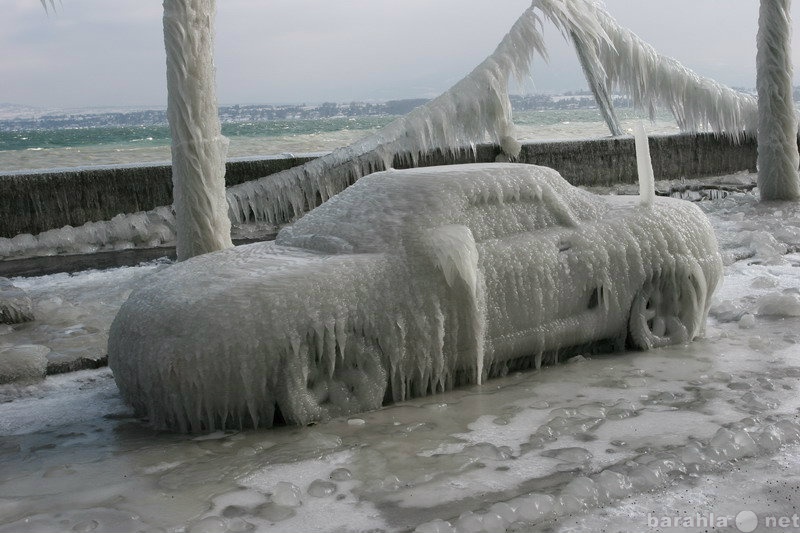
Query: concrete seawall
point(38, 201)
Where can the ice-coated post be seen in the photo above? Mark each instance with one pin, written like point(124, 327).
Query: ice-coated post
point(647, 185)
point(198, 147)
point(778, 158)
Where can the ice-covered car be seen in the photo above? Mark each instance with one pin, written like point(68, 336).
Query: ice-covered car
point(408, 283)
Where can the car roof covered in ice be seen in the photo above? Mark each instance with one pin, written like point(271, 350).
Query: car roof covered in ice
point(493, 200)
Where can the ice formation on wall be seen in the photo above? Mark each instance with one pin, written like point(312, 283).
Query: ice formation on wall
point(778, 158)
point(408, 283)
point(198, 147)
point(650, 78)
point(473, 108)
point(145, 228)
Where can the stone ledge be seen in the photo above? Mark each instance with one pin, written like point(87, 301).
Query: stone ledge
point(37, 201)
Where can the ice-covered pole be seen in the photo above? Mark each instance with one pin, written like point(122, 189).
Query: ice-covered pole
point(198, 147)
point(778, 157)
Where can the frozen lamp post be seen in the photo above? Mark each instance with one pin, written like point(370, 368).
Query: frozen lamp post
point(198, 147)
point(778, 159)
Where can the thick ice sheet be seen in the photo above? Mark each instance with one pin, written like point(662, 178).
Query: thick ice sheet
point(72, 316)
point(74, 458)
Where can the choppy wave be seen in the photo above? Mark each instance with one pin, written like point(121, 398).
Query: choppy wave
point(77, 147)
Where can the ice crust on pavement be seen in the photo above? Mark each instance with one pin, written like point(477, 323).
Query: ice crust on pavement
point(407, 284)
point(71, 318)
point(474, 457)
point(15, 305)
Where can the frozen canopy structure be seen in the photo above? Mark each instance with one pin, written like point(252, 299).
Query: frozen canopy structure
point(408, 283)
point(478, 107)
point(616, 57)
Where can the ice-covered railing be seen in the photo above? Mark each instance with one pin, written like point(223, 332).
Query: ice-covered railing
point(651, 79)
point(473, 109)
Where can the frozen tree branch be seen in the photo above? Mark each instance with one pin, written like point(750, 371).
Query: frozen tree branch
point(635, 67)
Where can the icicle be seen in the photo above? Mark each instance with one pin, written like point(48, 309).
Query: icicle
point(595, 76)
point(647, 185)
point(650, 78)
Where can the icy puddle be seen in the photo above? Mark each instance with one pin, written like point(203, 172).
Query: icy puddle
point(678, 436)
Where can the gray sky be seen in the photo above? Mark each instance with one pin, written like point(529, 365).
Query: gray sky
point(101, 53)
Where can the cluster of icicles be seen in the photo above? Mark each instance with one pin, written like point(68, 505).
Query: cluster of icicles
point(625, 61)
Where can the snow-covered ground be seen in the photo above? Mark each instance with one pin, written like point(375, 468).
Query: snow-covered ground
point(674, 439)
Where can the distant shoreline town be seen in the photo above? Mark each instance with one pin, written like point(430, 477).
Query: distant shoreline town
point(16, 118)
point(23, 119)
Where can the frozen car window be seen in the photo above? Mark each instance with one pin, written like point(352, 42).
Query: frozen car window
point(497, 216)
point(494, 201)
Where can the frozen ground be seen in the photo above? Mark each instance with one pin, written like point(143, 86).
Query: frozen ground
point(674, 436)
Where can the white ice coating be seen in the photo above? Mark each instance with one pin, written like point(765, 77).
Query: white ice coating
point(143, 229)
point(474, 108)
point(23, 363)
point(198, 147)
point(408, 283)
point(649, 77)
point(778, 157)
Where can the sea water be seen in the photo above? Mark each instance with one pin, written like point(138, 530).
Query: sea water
point(53, 146)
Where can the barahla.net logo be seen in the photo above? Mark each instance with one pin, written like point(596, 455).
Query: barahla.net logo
point(744, 521)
